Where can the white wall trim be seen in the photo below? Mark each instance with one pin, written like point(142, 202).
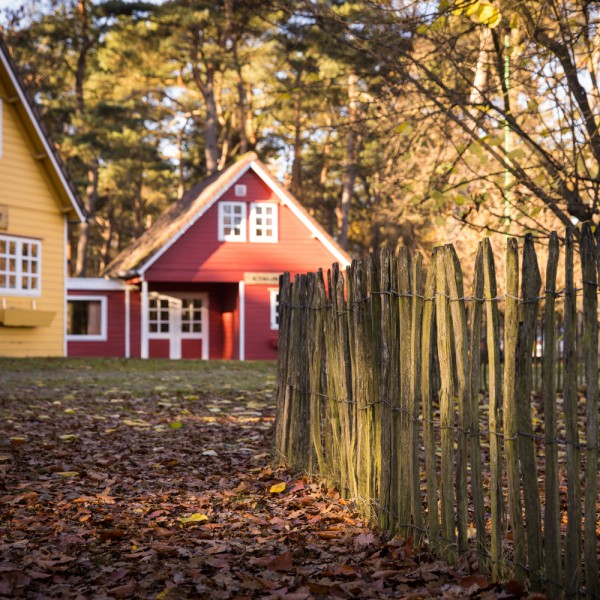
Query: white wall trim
point(144, 348)
point(49, 151)
point(94, 284)
point(242, 297)
point(65, 272)
point(103, 335)
point(127, 322)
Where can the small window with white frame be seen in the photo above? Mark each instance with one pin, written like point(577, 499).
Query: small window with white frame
point(240, 190)
point(274, 309)
point(87, 318)
point(20, 266)
point(263, 222)
point(232, 221)
point(158, 317)
point(191, 317)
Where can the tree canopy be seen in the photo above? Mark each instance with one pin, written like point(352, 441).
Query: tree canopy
point(395, 122)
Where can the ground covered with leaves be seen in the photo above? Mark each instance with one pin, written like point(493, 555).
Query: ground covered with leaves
point(154, 480)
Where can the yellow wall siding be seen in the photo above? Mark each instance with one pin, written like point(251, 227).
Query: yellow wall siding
point(33, 212)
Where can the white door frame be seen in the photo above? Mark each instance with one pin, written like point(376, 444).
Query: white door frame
point(175, 334)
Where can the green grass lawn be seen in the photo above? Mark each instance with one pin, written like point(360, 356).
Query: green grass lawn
point(133, 377)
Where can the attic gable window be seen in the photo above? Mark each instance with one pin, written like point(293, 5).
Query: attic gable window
point(263, 222)
point(232, 221)
point(20, 266)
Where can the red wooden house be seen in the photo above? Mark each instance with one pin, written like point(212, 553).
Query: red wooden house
point(202, 282)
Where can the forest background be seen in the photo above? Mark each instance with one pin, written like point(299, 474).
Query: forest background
point(395, 122)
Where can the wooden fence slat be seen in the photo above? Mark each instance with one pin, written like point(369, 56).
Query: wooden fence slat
point(454, 282)
point(590, 352)
point(314, 341)
point(552, 509)
point(573, 536)
point(374, 358)
point(428, 341)
point(302, 455)
point(475, 384)
point(511, 333)
point(416, 504)
point(530, 288)
point(495, 403)
point(445, 356)
point(332, 422)
point(282, 415)
point(386, 395)
point(403, 415)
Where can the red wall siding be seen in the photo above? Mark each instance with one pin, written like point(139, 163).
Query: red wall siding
point(199, 256)
point(115, 344)
point(191, 348)
point(260, 337)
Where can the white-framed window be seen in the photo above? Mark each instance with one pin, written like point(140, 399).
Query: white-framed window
point(87, 318)
point(274, 308)
point(263, 222)
point(191, 317)
point(232, 221)
point(20, 266)
point(240, 190)
point(158, 317)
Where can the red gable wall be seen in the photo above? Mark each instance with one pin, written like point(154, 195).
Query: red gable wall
point(199, 256)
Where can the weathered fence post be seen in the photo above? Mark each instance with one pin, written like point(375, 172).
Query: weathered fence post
point(590, 352)
point(495, 403)
point(511, 419)
point(573, 540)
point(428, 342)
point(552, 510)
point(530, 289)
point(416, 504)
point(403, 414)
point(475, 381)
point(447, 410)
point(461, 339)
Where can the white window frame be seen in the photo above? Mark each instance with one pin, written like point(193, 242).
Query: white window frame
point(194, 335)
point(274, 307)
point(223, 206)
point(103, 336)
point(19, 291)
point(240, 190)
point(159, 335)
point(273, 238)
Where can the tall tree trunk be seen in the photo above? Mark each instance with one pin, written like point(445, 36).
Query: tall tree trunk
point(350, 166)
point(90, 198)
point(241, 90)
point(296, 185)
point(211, 151)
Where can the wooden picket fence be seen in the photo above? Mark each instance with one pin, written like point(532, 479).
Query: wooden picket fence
point(379, 393)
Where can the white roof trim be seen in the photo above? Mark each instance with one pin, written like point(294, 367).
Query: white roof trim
point(94, 284)
point(189, 224)
point(49, 151)
point(268, 179)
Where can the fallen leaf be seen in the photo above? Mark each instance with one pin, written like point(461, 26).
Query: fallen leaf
point(277, 488)
point(176, 425)
point(68, 437)
point(67, 473)
point(209, 453)
point(195, 518)
point(282, 562)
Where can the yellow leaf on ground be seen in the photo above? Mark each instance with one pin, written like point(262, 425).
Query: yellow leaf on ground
point(176, 425)
point(70, 411)
point(67, 473)
point(17, 440)
point(195, 518)
point(134, 423)
point(68, 437)
point(277, 488)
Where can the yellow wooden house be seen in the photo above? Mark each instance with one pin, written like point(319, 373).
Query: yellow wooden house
point(37, 200)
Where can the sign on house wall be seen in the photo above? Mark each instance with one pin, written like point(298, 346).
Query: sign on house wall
point(261, 278)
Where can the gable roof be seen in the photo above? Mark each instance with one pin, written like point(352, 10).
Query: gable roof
point(47, 154)
point(179, 217)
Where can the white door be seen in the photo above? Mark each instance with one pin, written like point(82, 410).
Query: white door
point(164, 322)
